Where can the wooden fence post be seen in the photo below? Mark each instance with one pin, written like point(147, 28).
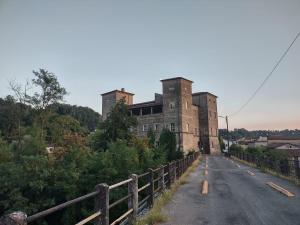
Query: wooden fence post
point(176, 169)
point(133, 202)
point(15, 218)
point(151, 187)
point(102, 204)
point(169, 175)
point(160, 175)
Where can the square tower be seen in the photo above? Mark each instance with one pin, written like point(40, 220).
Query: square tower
point(208, 121)
point(179, 111)
point(109, 100)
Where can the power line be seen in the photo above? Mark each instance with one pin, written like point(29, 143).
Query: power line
point(267, 78)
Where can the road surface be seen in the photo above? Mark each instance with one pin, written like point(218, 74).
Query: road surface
point(234, 197)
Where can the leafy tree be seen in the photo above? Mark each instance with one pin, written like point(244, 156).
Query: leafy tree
point(51, 92)
point(87, 117)
point(151, 137)
point(116, 126)
point(167, 141)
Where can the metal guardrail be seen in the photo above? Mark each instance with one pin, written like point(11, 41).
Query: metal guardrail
point(157, 180)
point(286, 167)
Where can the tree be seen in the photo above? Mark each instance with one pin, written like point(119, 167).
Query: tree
point(51, 92)
point(87, 117)
point(151, 137)
point(117, 125)
point(167, 141)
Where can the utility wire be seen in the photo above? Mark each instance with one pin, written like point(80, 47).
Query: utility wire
point(267, 78)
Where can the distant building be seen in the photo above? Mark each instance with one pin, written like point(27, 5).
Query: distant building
point(259, 142)
point(244, 142)
point(273, 140)
point(193, 117)
point(289, 145)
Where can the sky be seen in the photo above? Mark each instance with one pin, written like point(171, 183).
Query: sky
point(226, 47)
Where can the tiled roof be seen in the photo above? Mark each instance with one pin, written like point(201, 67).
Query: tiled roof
point(283, 138)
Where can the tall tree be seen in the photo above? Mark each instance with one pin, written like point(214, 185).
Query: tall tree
point(50, 92)
point(117, 125)
point(167, 141)
point(20, 95)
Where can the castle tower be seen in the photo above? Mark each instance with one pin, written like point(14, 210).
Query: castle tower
point(179, 112)
point(208, 120)
point(109, 100)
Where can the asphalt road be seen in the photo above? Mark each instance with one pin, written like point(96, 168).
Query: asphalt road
point(234, 197)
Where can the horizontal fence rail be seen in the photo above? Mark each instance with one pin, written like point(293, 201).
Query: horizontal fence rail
point(139, 198)
point(285, 167)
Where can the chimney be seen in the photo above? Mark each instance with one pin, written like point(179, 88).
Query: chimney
point(123, 89)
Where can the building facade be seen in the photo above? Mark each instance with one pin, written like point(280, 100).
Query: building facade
point(193, 117)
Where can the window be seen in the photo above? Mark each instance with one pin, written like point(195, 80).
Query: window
point(145, 127)
point(171, 88)
point(215, 115)
point(195, 131)
point(211, 131)
point(187, 127)
point(156, 126)
point(186, 105)
point(172, 125)
point(172, 105)
point(216, 132)
point(212, 144)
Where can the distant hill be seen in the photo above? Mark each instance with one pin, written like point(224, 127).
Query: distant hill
point(87, 117)
point(240, 133)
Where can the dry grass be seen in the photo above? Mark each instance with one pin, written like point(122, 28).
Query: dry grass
point(272, 172)
point(155, 214)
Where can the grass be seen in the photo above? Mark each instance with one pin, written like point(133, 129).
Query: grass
point(269, 171)
point(155, 215)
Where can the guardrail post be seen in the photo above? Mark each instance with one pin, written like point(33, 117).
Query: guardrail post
point(169, 175)
point(162, 175)
point(151, 188)
point(297, 168)
point(102, 204)
point(15, 218)
point(176, 169)
point(133, 202)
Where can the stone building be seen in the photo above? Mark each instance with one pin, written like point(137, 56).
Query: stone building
point(193, 117)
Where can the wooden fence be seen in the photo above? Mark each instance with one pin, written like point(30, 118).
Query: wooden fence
point(155, 182)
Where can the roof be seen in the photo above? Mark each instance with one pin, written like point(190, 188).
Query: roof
point(144, 104)
point(276, 145)
point(125, 92)
point(176, 78)
point(283, 138)
point(204, 93)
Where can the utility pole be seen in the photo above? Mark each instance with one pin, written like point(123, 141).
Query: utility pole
point(226, 119)
point(227, 132)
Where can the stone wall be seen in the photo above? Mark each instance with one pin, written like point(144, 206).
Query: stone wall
point(110, 99)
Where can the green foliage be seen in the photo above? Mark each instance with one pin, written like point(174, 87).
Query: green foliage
point(33, 179)
point(243, 133)
point(222, 144)
point(87, 117)
point(116, 126)
point(51, 91)
point(167, 141)
point(151, 137)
